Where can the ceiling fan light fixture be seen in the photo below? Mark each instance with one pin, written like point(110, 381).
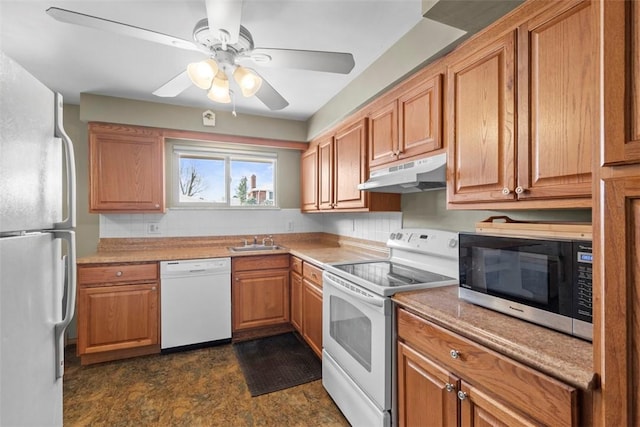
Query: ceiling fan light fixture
point(248, 81)
point(202, 73)
point(219, 91)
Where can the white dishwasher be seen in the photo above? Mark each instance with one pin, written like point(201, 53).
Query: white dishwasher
point(195, 304)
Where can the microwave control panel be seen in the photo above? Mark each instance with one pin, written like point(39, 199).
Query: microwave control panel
point(583, 251)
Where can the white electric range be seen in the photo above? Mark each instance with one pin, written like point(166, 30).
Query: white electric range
point(358, 366)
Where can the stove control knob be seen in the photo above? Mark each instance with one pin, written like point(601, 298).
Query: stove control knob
point(453, 243)
point(398, 236)
point(392, 236)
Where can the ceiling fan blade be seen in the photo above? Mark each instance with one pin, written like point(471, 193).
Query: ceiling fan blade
point(270, 97)
point(175, 86)
point(71, 17)
point(331, 62)
point(224, 19)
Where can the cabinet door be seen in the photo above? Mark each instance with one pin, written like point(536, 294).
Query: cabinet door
point(420, 113)
point(426, 391)
point(117, 317)
point(481, 409)
point(557, 102)
point(296, 301)
point(126, 170)
point(312, 316)
point(260, 298)
point(325, 173)
point(383, 134)
point(621, 49)
point(350, 165)
point(481, 130)
point(309, 180)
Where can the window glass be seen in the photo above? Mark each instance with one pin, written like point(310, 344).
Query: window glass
point(208, 177)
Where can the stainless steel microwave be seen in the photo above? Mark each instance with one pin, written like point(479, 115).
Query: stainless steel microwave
point(548, 282)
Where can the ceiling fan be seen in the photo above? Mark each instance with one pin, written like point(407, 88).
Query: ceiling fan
point(228, 47)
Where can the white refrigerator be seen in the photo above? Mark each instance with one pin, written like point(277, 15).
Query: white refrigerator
point(37, 248)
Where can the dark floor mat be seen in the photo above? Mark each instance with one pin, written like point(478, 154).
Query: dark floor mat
point(275, 363)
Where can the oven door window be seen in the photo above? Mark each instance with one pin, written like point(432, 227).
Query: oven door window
point(351, 329)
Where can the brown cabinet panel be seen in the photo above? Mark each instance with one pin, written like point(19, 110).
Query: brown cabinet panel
point(312, 316)
point(383, 134)
point(325, 173)
point(309, 180)
point(312, 273)
point(260, 298)
point(117, 317)
point(259, 262)
point(483, 410)
point(108, 273)
point(481, 127)
point(350, 165)
point(296, 264)
point(126, 169)
point(420, 114)
point(296, 301)
point(426, 391)
point(558, 123)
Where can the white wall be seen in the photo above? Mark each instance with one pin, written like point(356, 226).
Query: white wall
point(202, 222)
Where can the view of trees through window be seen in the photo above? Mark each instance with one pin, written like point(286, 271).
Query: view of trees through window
point(225, 180)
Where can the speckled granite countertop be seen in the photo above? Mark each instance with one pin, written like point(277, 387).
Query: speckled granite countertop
point(317, 248)
point(561, 356)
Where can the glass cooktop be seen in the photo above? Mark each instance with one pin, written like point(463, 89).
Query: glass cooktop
point(387, 274)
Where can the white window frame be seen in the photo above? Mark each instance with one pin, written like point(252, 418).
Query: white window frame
point(228, 155)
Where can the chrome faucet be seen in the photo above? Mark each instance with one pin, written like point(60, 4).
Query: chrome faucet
point(255, 240)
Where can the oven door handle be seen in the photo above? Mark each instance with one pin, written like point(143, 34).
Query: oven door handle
point(346, 288)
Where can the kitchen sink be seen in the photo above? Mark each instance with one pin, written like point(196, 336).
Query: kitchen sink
point(256, 247)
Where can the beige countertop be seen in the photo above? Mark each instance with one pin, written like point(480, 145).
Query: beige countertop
point(559, 355)
point(317, 248)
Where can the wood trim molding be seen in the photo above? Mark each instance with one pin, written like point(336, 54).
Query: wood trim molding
point(234, 139)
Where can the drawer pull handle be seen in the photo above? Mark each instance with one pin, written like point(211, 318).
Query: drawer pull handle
point(449, 387)
point(462, 395)
point(118, 273)
point(455, 354)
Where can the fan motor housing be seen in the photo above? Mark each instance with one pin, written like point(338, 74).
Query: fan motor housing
point(203, 37)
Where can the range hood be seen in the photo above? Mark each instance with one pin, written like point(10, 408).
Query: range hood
point(429, 173)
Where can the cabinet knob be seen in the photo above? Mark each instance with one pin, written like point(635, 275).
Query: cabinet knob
point(462, 395)
point(157, 205)
point(118, 273)
point(506, 191)
point(153, 288)
point(449, 387)
point(455, 354)
point(519, 190)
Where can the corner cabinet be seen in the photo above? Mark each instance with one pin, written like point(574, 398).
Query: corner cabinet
point(118, 314)
point(126, 169)
point(537, 146)
point(445, 379)
point(341, 164)
point(260, 291)
point(408, 126)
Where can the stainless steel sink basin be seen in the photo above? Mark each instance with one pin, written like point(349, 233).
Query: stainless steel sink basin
point(249, 248)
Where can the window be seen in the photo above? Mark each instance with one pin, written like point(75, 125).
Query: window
point(210, 177)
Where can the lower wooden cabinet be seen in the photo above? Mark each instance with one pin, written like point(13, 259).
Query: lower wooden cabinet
point(445, 379)
point(118, 311)
point(260, 291)
point(306, 302)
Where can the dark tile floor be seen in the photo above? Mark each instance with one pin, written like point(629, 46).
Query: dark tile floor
point(195, 388)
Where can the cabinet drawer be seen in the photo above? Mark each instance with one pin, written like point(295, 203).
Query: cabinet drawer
point(312, 273)
point(296, 264)
point(530, 391)
point(117, 273)
point(259, 262)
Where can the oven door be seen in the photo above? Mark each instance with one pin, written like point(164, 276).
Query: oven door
point(357, 334)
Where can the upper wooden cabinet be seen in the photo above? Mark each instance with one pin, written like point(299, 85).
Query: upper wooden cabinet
point(341, 166)
point(126, 169)
point(536, 145)
point(622, 82)
point(408, 126)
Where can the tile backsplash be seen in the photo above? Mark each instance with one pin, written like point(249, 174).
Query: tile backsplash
point(191, 222)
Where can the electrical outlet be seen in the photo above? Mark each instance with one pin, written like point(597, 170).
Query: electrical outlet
point(153, 228)
point(290, 226)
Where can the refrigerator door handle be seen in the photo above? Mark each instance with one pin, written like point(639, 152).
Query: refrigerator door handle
point(70, 290)
point(70, 166)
